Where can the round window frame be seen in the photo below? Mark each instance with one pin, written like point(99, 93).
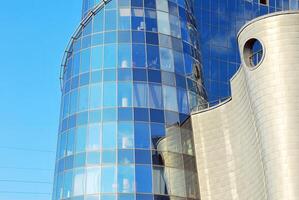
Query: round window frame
point(247, 52)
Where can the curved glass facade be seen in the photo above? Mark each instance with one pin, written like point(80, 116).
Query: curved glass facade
point(219, 22)
point(131, 75)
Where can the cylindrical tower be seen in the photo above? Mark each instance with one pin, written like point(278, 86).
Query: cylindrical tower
point(130, 76)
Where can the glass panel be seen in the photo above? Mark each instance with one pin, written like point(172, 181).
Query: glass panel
point(160, 181)
point(94, 135)
point(166, 59)
point(108, 180)
point(85, 60)
point(93, 180)
point(109, 94)
point(125, 156)
point(98, 22)
point(81, 139)
point(67, 184)
point(162, 5)
point(140, 95)
point(153, 59)
point(124, 55)
point(163, 23)
point(124, 19)
point(125, 135)
point(170, 98)
point(110, 56)
point(126, 179)
point(79, 182)
point(83, 100)
point(143, 179)
point(155, 96)
point(183, 101)
point(110, 20)
point(139, 57)
point(97, 57)
point(109, 135)
point(95, 96)
point(142, 135)
point(70, 142)
point(74, 101)
point(125, 94)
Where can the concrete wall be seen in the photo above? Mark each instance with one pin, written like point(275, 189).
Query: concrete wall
point(248, 147)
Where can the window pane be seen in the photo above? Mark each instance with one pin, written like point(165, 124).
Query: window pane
point(155, 96)
point(183, 101)
point(98, 22)
point(139, 57)
point(124, 56)
point(125, 135)
point(124, 19)
point(74, 101)
point(125, 94)
point(140, 95)
point(170, 98)
point(166, 59)
point(109, 94)
point(126, 179)
point(109, 135)
point(85, 60)
point(142, 135)
point(97, 57)
point(143, 179)
point(94, 134)
point(93, 181)
point(108, 180)
point(83, 100)
point(67, 184)
point(79, 182)
point(160, 181)
point(81, 139)
point(70, 142)
point(110, 20)
point(163, 23)
point(110, 56)
point(153, 58)
point(162, 5)
point(95, 96)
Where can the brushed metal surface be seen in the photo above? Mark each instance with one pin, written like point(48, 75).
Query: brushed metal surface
point(248, 147)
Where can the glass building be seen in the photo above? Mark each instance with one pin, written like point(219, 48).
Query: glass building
point(219, 22)
point(130, 76)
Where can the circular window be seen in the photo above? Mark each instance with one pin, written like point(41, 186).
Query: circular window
point(253, 53)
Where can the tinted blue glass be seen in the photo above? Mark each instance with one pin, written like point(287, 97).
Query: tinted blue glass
point(118, 93)
point(141, 114)
point(125, 156)
point(142, 157)
point(124, 36)
point(153, 57)
point(142, 135)
point(125, 74)
point(125, 114)
point(110, 20)
point(143, 172)
point(138, 37)
point(109, 135)
point(138, 53)
point(124, 56)
point(139, 75)
point(157, 116)
point(110, 56)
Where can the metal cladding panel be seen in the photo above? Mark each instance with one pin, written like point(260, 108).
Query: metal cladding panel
point(248, 147)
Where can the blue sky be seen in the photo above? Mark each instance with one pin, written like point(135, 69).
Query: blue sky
point(33, 36)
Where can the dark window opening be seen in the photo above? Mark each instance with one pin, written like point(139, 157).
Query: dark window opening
point(264, 2)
